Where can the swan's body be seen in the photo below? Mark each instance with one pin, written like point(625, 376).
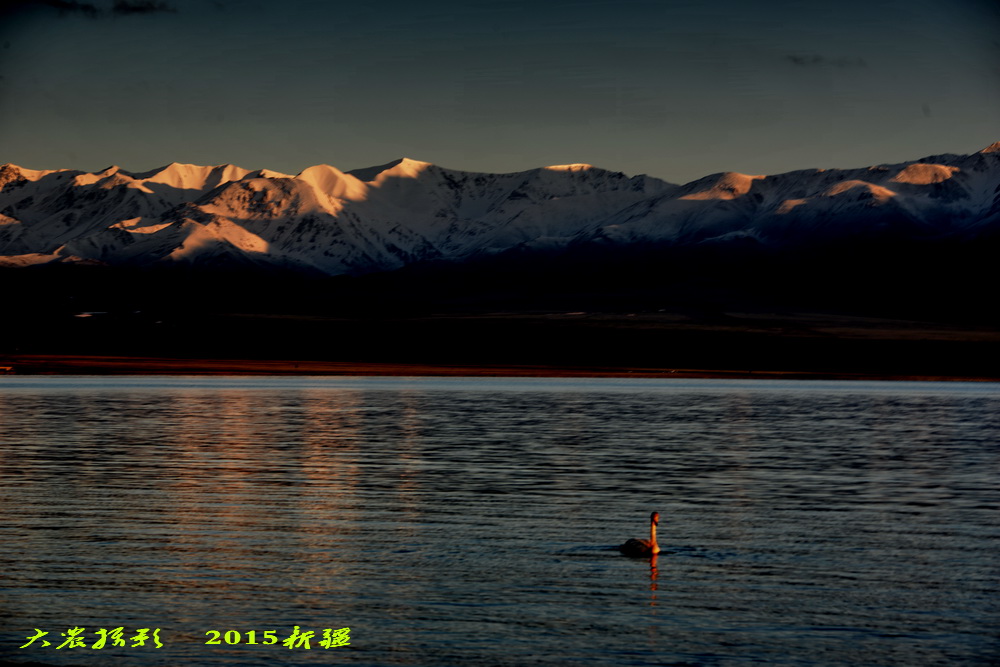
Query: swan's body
point(648, 547)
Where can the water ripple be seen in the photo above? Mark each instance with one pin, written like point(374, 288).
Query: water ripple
point(476, 521)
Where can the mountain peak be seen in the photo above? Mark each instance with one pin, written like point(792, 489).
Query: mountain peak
point(333, 182)
point(924, 174)
point(184, 176)
point(724, 185)
point(992, 148)
point(9, 173)
point(576, 166)
point(402, 167)
point(266, 173)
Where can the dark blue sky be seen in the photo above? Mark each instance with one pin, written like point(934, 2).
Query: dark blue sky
point(673, 89)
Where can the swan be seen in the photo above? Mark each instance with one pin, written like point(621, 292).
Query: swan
point(648, 547)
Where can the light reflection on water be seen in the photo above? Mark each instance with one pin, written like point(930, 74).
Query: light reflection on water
point(467, 521)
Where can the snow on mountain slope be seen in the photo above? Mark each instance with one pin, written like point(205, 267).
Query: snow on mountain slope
point(934, 197)
point(327, 221)
point(191, 177)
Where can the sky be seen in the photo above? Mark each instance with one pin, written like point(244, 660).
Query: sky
point(677, 90)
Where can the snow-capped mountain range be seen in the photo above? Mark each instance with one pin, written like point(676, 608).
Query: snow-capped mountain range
point(326, 221)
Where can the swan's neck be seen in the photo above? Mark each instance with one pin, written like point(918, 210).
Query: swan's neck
point(654, 547)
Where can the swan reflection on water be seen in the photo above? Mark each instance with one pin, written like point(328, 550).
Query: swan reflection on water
point(636, 548)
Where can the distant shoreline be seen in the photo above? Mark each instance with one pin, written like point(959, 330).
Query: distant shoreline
point(36, 365)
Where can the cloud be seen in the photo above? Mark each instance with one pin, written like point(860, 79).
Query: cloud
point(816, 60)
point(67, 7)
point(64, 7)
point(140, 7)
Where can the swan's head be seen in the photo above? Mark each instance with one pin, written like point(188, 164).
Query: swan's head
point(654, 518)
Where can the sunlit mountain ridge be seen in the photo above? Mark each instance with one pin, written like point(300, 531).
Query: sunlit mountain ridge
point(325, 221)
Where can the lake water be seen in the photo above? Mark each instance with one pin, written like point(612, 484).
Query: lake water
point(474, 521)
